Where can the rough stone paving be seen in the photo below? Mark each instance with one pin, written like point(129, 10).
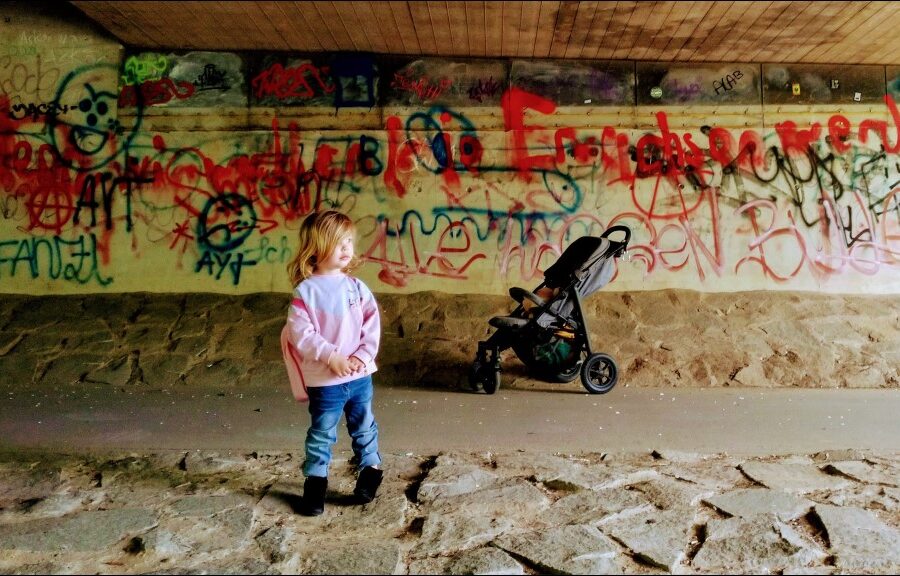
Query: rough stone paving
point(455, 513)
point(207, 512)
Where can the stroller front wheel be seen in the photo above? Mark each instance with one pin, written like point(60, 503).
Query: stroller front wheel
point(491, 381)
point(599, 373)
point(475, 371)
point(484, 377)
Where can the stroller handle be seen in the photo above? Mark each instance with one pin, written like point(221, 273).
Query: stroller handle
point(618, 228)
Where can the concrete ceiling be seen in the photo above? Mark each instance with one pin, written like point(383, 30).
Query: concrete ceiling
point(793, 32)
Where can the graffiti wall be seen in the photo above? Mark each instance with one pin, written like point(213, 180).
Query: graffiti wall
point(187, 171)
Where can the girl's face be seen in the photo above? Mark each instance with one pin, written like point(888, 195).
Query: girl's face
point(339, 258)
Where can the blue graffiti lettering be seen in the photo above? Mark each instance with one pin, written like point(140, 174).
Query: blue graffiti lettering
point(73, 260)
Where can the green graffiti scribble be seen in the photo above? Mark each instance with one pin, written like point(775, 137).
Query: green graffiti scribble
point(142, 67)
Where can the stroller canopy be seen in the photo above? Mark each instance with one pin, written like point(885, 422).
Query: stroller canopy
point(587, 260)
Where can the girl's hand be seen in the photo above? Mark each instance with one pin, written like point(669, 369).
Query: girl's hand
point(356, 364)
point(340, 365)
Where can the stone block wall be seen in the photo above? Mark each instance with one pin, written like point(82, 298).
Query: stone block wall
point(665, 338)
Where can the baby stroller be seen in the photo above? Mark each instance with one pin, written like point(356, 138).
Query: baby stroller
point(548, 330)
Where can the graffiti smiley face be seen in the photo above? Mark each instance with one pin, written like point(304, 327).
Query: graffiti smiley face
point(92, 135)
point(226, 221)
point(89, 136)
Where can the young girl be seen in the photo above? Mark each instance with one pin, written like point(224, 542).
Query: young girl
point(334, 326)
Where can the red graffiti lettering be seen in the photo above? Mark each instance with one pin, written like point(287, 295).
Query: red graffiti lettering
point(424, 88)
point(153, 92)
point(515, 103)
point(292, 82)
point(797, 142)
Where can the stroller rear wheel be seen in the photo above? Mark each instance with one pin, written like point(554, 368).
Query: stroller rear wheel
point(599, 373)
point(565, 376)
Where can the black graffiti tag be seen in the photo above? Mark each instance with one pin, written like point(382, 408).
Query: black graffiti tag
point(226, 221)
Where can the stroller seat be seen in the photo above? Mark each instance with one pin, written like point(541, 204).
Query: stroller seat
point(508, 322)
point(548, 330)
point(519, 295)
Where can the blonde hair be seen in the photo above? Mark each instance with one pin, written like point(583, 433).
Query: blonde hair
point(320, 233)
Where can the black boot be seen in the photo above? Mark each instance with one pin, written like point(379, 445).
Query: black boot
point(367, 484)
point(313, 503)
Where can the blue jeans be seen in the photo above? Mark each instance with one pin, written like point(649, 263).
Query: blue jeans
point(326, 403)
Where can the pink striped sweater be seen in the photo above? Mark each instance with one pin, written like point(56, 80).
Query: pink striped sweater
point(329, 314)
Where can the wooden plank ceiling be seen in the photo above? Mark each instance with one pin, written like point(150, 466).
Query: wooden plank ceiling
point(684, 31)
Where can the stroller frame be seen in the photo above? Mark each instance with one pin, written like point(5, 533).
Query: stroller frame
point(598, 371)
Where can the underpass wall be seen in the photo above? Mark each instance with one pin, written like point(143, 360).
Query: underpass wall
point(190, 171)
point(126, 171)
